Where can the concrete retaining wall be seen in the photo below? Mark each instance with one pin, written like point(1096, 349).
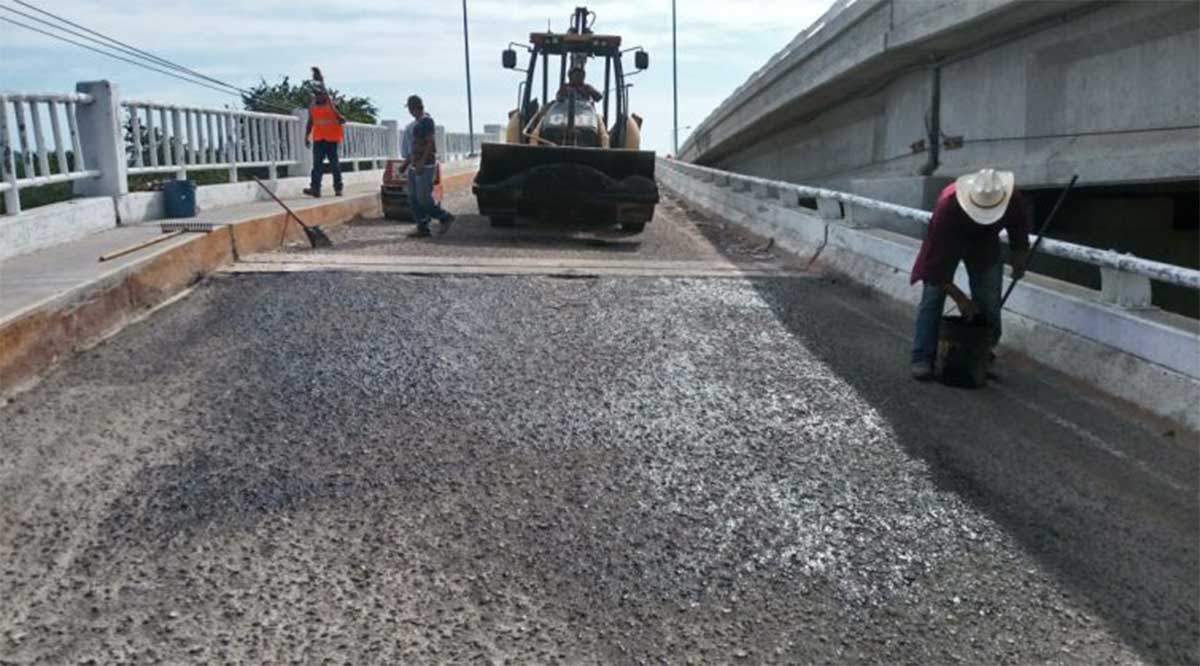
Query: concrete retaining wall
point(1147, 357)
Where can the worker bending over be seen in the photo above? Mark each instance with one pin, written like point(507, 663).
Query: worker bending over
point(967, 221)
point(325, 127)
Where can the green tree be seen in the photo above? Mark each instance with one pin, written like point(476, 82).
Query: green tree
point(284, 97)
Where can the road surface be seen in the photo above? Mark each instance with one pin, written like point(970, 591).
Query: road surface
point(529, 447)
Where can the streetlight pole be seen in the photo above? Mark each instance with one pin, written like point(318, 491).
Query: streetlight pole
point(674, 80)
point(470, 111)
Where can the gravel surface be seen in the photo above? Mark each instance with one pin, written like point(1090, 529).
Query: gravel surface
point(365, 468)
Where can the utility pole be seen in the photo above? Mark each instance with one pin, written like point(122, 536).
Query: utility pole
point(674, 80)
point(470, 111)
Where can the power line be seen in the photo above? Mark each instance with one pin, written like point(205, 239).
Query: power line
point(132, 51)
point(128, 48)
point(113, 55)
point(140, 54)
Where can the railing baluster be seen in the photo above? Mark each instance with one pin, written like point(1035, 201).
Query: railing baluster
point(151, 140)
point(191, 132)
point(219, 146)
point(43, 155)
point(8, 166)
point(135, 128)
point(168, 137)
point(23, 137)
point(247, 139)
point(212, 145)
point(232, 150)
point(60, 151)
point(76, 148)
point(177, 144)
point(261, 140)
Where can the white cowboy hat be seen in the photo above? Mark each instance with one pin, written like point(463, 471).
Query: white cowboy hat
point(984, 195)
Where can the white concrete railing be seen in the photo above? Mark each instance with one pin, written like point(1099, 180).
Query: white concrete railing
point(41, 162)
point(164, 138)
point(96, 140)
point(1125, 279)
point(365, 142)
point(457, 145)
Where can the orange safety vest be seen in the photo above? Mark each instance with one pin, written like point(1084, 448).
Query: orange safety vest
point(325, 125)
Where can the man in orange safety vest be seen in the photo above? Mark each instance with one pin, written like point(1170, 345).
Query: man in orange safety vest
point(325, 127)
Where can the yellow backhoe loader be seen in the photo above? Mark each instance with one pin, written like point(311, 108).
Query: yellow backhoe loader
point(573, 159)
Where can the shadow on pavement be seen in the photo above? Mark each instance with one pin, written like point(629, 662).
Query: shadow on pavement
point(1105, 504)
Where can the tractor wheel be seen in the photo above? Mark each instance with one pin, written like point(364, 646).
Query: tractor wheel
point(633, 227)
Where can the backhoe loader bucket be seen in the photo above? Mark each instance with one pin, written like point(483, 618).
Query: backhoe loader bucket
point(606, 186)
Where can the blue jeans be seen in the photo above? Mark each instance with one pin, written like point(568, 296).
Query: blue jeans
point(322, 150)
point(985, 291)
point(420, 197)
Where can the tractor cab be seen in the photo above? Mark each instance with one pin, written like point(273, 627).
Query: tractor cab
point(560, 53)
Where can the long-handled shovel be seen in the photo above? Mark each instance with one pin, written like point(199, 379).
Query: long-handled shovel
point(1041, 234)
point(316, 236)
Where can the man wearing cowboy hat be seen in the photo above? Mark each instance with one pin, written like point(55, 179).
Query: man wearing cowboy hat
point(966, 226)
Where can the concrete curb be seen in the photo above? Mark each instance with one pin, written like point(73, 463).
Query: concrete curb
point(34, 340)
point(880, 260)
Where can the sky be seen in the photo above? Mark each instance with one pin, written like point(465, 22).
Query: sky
point(389, 50)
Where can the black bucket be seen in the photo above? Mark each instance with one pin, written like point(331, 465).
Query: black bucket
point(179, 199)
point(964, 351)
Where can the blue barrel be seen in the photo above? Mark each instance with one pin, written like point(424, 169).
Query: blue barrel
point(179, 198)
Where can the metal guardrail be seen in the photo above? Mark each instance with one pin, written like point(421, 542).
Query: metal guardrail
point(1105, 259)
point(41, 162)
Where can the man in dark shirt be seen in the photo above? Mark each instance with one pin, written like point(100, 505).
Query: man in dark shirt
point(966, 226)
point(422, 169)
point(576, 83)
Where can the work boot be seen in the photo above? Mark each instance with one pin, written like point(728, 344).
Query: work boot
point(337, 192)
point(444, 226)
point(316, 194)
point(922, 371)
point(421, 232)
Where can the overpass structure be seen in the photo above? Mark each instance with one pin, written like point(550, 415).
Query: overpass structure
point(920, 91)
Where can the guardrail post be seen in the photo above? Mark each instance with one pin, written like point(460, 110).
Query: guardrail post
point(103, 139)
point(829, 209)
point(392, 145)
point(1126, 290)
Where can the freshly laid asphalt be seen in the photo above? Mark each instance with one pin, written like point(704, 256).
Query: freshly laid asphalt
point(348, 467)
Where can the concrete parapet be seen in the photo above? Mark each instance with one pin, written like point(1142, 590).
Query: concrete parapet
point(49, 225)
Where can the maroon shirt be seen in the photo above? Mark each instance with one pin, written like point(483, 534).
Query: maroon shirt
point(954, 237)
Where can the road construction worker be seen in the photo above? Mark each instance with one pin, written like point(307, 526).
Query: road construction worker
point(422, 170)
point(325, 127)
point(967, 221)
point(575, 82)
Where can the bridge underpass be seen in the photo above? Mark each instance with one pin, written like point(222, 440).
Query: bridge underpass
point(527, 446)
